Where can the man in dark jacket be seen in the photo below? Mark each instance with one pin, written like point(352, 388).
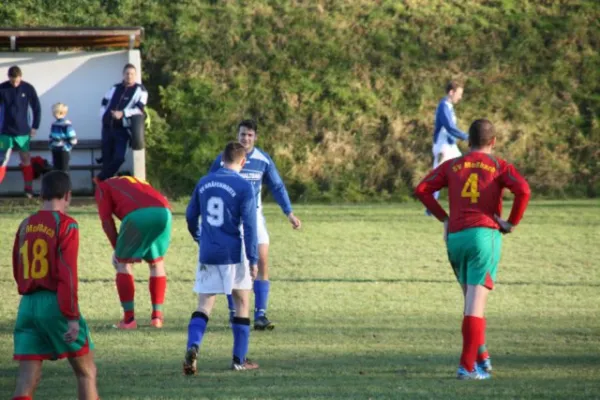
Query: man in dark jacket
point(17, 97)
point(120, 103)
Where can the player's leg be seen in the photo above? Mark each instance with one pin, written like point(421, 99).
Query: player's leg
point(157, 237)
point(120, 139)
point(196, 330)
point(5, 152)
point(157, 286)
point(30, 373)
point(22, 143)
point(262, 285)
point(241, 287)
point(84, 368)
point(473, 329)
point(126, 290)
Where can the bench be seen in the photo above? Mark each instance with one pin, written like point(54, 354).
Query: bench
point(94, 145)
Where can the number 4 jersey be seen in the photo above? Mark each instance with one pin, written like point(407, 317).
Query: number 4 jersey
point(225, 202)
point(475, 182)
point(45, 258)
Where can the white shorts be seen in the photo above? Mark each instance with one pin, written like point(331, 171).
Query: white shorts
point(222, 279)
point(444, 152)
point(261, 227)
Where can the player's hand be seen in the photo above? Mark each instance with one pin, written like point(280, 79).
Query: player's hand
point(117, 114)
point(254, 271)
point(72, 331)
point(32, 132)
point(446, 231)
point(505, 226)
point(295, 221)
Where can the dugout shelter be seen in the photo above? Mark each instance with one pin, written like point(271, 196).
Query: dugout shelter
point(75, 66)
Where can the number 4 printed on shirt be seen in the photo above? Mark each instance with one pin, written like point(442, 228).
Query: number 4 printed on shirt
point(470, 189)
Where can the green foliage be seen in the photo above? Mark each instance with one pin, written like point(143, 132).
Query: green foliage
point(345, 92)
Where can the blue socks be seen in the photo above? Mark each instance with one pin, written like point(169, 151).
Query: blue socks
point(261, 298)
point(231, 305)
point(241, 339)
point(196, 329)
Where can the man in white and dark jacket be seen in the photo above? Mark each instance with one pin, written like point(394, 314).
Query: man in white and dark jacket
point(120, 103)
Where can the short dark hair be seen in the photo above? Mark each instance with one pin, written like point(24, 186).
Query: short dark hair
point(481, 133)
point(234, 152)
point(129, 66)
point(249, 124)
point(14, 72)
point(55, 185)
point(453, 85)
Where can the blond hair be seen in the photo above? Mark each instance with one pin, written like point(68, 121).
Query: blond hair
point(59, 110)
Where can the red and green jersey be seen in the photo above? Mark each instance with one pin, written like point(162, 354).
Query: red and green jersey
point(122, 195)
point(45, 258)
point(475, 182)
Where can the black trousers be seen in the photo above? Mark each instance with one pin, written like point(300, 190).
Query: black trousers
point(114, 146)
point(60, 160)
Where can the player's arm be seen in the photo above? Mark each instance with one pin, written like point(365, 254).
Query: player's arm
point(448, 123)
point(511, 179)
point(67, 272)
point(277, 188)
point(436, 180)
point(106, 100)
point(71, 135)
point(105, 211)
point(250, 225)
point(36, 109)
point(192, 215)
point(216, 164)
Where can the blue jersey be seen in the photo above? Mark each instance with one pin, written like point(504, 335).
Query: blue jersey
point(445, 130)
point(260, 168)
point(225, 202)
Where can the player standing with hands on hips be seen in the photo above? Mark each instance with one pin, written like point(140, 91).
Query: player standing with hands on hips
point(473, 231)
point(259, 168)
point(49, 325)
point(228, 253)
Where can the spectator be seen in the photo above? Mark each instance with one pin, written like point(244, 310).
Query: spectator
point(122, 101)
point(62, 138)
point(17, 97)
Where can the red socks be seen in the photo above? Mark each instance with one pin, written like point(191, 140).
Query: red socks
point(2, 173)
point(473, 330)
point(22, 398)
point(126, 289)
point(28, 176)
point(158, 287)
point(482, 353)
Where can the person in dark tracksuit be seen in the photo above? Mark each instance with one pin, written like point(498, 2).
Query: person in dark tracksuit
point(120, 103)
point(17, 97)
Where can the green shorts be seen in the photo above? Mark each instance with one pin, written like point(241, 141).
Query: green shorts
point(474, 254)
point(19, 143)
point(145, 234)
point(40, 328)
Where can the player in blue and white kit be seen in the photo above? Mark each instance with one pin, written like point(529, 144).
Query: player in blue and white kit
point(226, 204)
point(260, 168)
point(445, 132)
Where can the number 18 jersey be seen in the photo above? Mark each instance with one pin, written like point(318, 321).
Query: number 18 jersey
point(224, 201)
point(45, 258)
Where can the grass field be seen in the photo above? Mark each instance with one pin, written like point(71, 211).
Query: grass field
point(366, 306)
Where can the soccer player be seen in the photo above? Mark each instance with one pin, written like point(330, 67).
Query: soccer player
point(445, 132)
point(49, 325)
point(144, 234)
point(16, 131)
point(227, 264)
point(473, 231)
point(260, 168)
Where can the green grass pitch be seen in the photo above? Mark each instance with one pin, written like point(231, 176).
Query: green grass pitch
point(366, 307)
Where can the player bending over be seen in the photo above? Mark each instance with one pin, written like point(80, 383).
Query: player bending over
point(227, 205)
point(144, 234)
point(473, 231)
point(260, 168)
point(49, 325)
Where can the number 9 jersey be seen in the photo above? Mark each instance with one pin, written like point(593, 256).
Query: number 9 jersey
point(45, 258)
point(475, 182)
point(225, 202)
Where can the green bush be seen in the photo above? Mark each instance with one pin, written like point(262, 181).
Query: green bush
point(345, 92)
